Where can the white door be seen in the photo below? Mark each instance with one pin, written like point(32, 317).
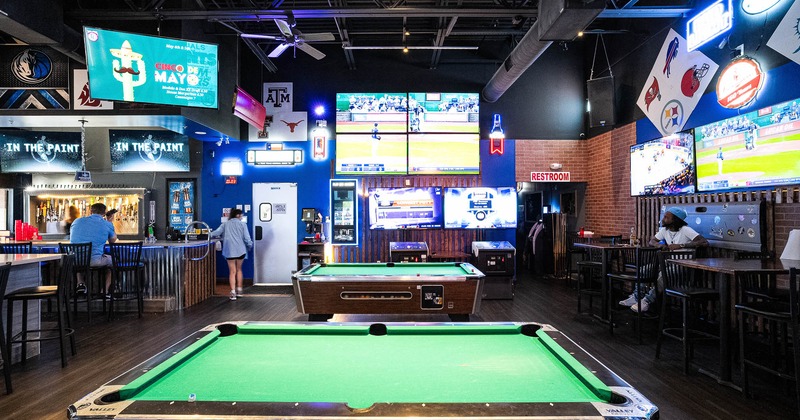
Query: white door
point(275, 233)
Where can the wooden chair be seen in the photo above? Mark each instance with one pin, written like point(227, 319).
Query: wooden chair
point(127, 271)
point(590, 277)
point(645, 274)
point(6, 355)
point(83, 258)
point(758, 287)
point(764, 340)
point(17, 248)
point(60, 292)
point(681, 283)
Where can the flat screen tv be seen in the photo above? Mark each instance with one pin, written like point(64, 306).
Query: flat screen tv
point(367, 154)
point(443, 154)
point(757, 149)
point(663, 166)
point(436, 112)
point(405, 208)
point(480, 208)
point(130, 67)
point(40, 151)
point(148, 151)
point(374, 113)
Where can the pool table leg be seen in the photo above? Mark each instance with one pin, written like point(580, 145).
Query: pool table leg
point(319, 317)
point(459, 317)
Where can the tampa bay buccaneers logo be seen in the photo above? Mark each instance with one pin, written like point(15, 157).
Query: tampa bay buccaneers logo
point(691, 79)
point(652, 93)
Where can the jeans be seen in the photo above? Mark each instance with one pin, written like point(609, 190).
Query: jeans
point(649, 293)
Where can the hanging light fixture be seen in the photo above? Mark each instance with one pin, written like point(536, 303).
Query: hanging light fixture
point(496, 137)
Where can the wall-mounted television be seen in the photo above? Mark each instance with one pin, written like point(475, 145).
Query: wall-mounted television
point(40, 151)
point(367, 154)
point(757, 149)
point(405, 208)
point(374, 113)
point(148, 151)
point(437, 112)
point(480, 208)
point(446, 154)
point(130, 67)
point(664, 166)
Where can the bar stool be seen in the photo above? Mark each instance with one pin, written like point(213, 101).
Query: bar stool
point(83, 257)
point(781, 317)
point(574, 253)
point(126, 259)
point(681, 283)
point(17, 248)
point(6, 355)
point(61, 293)
point(645, 274)
point(589, 275)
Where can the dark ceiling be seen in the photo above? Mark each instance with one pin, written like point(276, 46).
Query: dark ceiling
point(435, 25)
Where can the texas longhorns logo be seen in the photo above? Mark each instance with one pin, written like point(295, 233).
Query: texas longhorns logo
point(292, 125)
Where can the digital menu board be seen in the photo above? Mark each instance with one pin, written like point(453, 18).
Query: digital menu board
point(40, 151)
point(140, 68)
point(148, 151)
point(181, 203)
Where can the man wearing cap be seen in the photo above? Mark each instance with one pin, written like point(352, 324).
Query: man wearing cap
point(674, 234)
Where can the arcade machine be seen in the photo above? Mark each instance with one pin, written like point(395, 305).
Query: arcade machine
point(496, 260)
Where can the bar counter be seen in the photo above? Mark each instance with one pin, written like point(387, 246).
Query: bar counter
point(177, 274)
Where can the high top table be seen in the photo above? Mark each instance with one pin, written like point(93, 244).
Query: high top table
point(606, 249)
point(25, 272)
point(726, 270)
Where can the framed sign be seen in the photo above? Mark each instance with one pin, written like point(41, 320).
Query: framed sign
point(182, 205)
point(344, 207)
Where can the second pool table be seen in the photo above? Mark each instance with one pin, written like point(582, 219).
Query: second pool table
point(322, 290)
point(377, 371)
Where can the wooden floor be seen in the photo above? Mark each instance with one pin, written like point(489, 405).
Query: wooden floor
point(43, 390)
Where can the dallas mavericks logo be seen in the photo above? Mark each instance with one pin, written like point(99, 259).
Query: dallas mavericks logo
point(149, 150)
point(42, 151)
point(32, 66)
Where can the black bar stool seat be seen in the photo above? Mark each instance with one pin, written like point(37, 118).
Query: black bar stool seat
point(4, 353)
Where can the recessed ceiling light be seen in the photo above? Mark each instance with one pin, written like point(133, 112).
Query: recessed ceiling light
point(200, 132)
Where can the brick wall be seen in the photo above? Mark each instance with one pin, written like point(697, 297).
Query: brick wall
point(602, 162)
point(787, 217)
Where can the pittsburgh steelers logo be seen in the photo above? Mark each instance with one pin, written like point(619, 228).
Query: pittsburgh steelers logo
point(31, 66)
point(672, 116)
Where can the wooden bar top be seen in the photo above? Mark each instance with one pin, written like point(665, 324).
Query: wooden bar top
point(731, 266)
point(22, 259)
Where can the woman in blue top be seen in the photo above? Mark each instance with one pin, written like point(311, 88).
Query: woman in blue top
point(235, 244)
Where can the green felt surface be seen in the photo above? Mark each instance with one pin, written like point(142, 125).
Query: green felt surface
point(399, 269)
point(433, 364)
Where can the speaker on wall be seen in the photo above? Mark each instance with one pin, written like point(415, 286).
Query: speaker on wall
point(601, 101)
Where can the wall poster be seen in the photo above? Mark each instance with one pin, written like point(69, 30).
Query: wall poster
point(181, 198)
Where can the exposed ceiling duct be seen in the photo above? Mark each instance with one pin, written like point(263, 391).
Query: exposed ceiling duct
point(558, 20)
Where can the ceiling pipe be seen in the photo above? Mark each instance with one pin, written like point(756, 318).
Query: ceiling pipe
point(527, 51)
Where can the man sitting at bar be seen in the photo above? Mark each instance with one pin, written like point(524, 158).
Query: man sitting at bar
point(97, 230)
point(674, 234)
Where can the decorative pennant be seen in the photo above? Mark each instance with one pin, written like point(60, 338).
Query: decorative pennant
point(786, 38)
point(675, 84)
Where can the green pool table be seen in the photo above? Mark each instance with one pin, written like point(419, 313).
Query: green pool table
point(335, 370)
point(322, 290)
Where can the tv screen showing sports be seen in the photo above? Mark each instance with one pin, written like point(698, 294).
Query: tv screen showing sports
point(40, 151)
point(757, 149)
point(443, 154)
point(365, 154)
point(663, 166)
point(374, 113)
point(141, 68)
point(480, 208)
point(435, 112)
point(148, 151)
point(405, 208)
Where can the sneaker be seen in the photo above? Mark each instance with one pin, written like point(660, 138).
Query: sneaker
point(232, 295)
point(645, 306)
point(239, 292)
point(630, 301)
point(80, 289)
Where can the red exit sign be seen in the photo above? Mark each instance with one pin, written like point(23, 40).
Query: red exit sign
point(230, 180)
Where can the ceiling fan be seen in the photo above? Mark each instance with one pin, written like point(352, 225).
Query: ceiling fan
point(291, 37)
